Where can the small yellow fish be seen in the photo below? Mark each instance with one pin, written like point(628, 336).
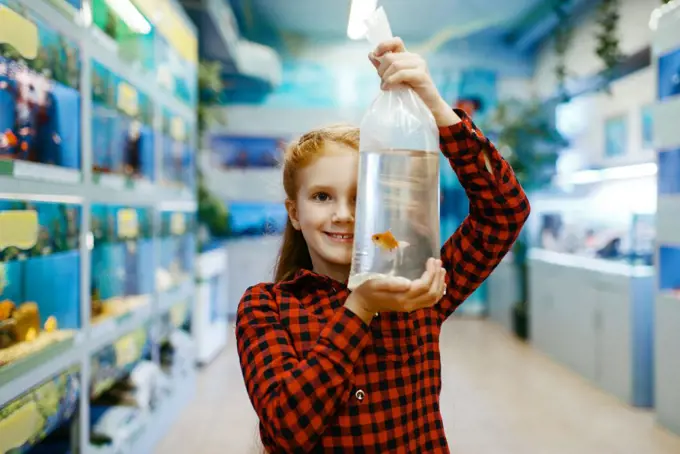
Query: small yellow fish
point(387, 241)
point(51, 324)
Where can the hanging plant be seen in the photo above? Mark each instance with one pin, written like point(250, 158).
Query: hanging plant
point(563, 36)
point(608, 49)
point(212, 212)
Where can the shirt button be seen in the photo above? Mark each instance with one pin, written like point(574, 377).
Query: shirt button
point(360, 394)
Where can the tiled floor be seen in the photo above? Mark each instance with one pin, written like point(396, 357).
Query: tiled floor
point(499, 397)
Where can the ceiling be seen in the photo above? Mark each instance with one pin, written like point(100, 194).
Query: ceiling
point(414, 21)
point(496, 29)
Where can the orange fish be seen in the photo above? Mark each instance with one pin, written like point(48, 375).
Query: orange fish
point(8, 139)
point(386, 241)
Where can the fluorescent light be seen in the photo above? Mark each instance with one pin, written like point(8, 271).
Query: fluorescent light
point(359, 11)
point(611, 173)
point(130, 15)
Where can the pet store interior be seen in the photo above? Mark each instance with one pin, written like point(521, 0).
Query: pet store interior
point(132, 225)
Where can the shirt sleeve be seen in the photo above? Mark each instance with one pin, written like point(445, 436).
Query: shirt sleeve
point(295, 398)
point(498, 210)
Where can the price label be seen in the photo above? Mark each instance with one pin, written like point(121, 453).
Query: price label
point(128, 99)
point(178, 129)
point(128, 223)
point(178, 224)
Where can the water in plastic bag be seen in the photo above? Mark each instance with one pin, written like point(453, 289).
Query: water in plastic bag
point(397, 212)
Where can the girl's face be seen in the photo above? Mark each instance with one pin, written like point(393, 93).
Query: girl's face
point(324, 209)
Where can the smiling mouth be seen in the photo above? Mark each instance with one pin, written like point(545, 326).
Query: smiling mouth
point(341, 237)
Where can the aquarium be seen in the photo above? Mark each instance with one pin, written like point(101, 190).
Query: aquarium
point(122, 260)
point(134, 39)
point(39, 278)
point(122, 127)
point(178, 160)
point(27, 420)
point(115, 361)
point(397, 215)
point(39, 95)
point(177, 249)
point(609, 220)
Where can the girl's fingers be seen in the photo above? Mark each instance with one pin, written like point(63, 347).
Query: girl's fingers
point(390, 60)
point(412, 76)
point(398, 64)
point(391, 45)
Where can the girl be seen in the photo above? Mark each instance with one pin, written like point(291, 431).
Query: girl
point(329, 370)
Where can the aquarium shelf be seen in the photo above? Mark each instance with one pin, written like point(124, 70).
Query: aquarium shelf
point(17, 378)
point(159, 421)
point(109, 330)
point(36, 171)
point(72, 95)
point(153, 195)
point(169, 298)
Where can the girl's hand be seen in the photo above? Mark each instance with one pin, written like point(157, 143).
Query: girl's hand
point(393, 295)
point(397, 67)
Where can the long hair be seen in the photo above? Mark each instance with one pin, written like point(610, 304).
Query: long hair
point(294, 253)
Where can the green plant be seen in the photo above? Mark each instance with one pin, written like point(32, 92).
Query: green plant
point(212, 211)
point(529, 141)
point(563, 36)
point(608, 49)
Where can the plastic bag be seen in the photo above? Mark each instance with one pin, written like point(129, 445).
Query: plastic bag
point(397, 211)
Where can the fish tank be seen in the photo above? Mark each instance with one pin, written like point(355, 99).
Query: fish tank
point(176, 74)
point(122, 127)
point(39, 420)
point(133, 40)
point(113, 362)
point(177, 249)
point(39, 280)
point(609, 220)
point(39, 97)
point(178, 155)
point(247, 219)
point(122, 260)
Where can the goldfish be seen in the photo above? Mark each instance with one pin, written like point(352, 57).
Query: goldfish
point(387, 242)
point(8, 139)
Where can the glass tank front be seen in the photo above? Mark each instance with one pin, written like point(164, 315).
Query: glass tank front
point(122, 127)
point(610, 220)
point(39, 277)
point(39, 94)
point(178, 165)
point(122, 260)
point(177, 249)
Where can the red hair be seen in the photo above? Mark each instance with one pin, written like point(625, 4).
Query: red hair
point(294, 253)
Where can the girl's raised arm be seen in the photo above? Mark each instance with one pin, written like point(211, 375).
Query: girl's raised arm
point(498, 209)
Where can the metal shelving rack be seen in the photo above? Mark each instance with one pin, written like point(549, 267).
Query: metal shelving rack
point(34, 184)
point(665, 24)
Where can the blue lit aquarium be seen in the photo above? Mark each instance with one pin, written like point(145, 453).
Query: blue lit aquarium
point(256, 218)
point(113, 362)
point(122, 127)
point(177, 249)
point(178, 155)
point(122, 260)
point(39, 278)
point(39, 95)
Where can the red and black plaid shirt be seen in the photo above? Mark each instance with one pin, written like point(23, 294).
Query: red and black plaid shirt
point(321, 380)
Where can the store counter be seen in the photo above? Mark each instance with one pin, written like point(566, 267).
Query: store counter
point(596, 316)
point(503, 292)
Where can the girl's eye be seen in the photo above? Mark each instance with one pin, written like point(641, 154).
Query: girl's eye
point(321, 197)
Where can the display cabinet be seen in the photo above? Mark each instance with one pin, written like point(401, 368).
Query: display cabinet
point(82, 241)
point(666, 62)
